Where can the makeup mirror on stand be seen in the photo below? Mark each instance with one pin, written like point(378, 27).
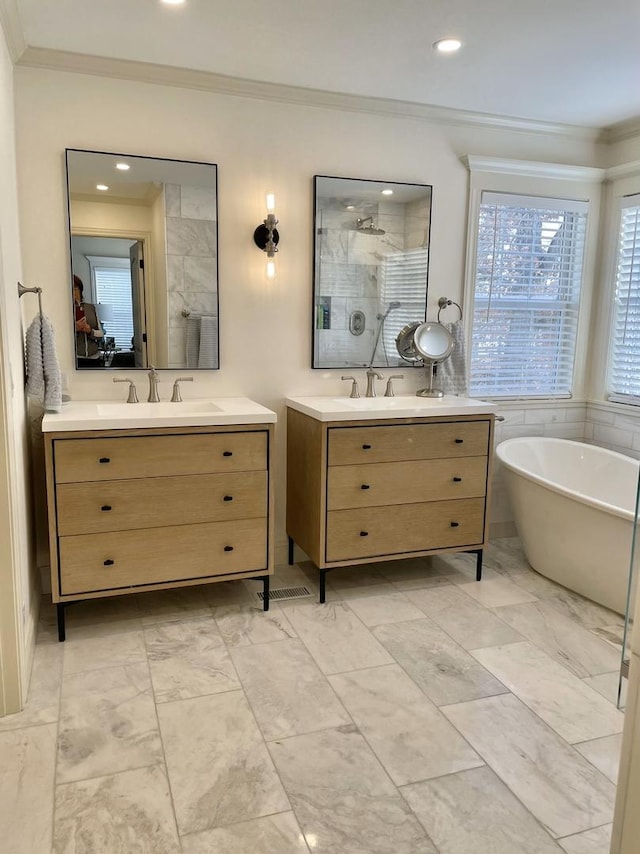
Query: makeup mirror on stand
point(434, 343)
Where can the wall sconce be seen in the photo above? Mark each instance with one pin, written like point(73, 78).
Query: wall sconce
point(266, 236)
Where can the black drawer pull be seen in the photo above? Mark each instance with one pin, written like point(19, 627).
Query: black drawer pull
point(459, 441)
point(228, 548)
point(457, 480)
point(455, 524)
point(365, 486)
point(366, 447)
point(228, 498)
point(227, 453)
point(109, 562)
point(104, 460)
point(364, 533)
point(106, 507)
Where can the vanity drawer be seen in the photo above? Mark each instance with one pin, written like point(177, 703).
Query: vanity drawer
point(94, 562)
point(112, 458)
point(376, 484)
point(374, 531)
point(121, 505)
point(383, 444)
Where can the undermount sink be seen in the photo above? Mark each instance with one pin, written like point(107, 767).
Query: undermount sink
point(118, 415)
point(401, 406)
point(136, 410)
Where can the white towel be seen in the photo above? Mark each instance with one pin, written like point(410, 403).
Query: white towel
point(453, 371)
point(44, 381)
point(208, 355)
point(193, 341)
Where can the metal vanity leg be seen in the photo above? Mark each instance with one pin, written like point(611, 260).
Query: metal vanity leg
point(478, 564)
point(61, 627)
point(290, 551)
point(323, 587)
point(265, 592)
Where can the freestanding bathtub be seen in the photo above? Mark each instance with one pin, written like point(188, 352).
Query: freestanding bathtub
point(574, 507)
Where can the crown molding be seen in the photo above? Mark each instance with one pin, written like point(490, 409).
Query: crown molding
point(12, 26)
point(534, 169)
point(623, 170)
point(621, 131)
point(147, 72)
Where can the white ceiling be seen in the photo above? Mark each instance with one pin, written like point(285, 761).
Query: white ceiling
point(573, 61)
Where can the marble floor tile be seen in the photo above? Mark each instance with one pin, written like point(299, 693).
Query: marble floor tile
point(562, 700)
point(94, 618)
point(273, 834)
point(422, 582)
point(392, 608)
point(437, 664)
point(219, 768)
point(335, 637)
point(473, 812)
point(188, 659)
point(587, 614)
point(496, 592)
point(118, 814)
point(412, 572)
point(595, 841)
point(506, 555)
point(354, 576)
point(408, 734)
point(364, 591)
point(534, 582)
point(43, 698)
point(604, 753)
point(27, 769)
point(468, 623)
point(608, 684)
point(612, 634)
point(108, 723)
point(287, 691)
point(227, 593)
point(561, 638)
point(552, 780)
point(107, 651)
point(242, 625)
point(47, 630)
point(342, 797)
point(181, 603)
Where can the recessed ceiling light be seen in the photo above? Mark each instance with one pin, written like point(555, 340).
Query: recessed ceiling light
point(123, 167)
point(101, 187)
point(173, 2)
point(387, 192)
point(448, 45)
point(350, 207)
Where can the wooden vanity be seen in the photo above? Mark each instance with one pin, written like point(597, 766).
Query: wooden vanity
point(369, 489)
point(136, 509)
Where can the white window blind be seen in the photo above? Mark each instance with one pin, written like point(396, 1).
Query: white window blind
point(404, 280)
point(528, 276)
point(112, 286)
point(624, 367)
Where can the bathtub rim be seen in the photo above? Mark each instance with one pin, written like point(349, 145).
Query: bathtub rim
point(580, 497)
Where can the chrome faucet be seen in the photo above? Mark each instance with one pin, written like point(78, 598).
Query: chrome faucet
point(154, 379)
point(371, 377)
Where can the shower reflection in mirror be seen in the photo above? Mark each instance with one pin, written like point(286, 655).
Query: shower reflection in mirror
point(371, 261)
point(144, 242)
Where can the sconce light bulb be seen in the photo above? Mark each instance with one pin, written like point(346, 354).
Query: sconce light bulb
point(271, 202)
point(102, 187)
point(271, 269)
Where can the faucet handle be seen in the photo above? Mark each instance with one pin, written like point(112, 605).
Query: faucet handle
point(354, 388)
point(133, 394)
point(389, 392)
point(176, 397)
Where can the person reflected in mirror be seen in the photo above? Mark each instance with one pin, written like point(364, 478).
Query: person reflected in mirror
point(89, 332)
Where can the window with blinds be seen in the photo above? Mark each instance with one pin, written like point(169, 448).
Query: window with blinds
point(112, 287)
point(528, 276)
point(403, 280)
point(624, 362)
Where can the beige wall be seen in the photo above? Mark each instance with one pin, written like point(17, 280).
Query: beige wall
point(258, 146)
point(18, 600)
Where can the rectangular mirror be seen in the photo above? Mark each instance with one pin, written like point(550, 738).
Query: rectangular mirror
point(371, 262)
point(144, 259)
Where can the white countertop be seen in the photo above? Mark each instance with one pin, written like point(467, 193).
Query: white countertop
point(116, 415)
point(401, 406)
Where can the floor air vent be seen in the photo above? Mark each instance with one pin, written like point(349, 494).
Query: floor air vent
point(285, 593)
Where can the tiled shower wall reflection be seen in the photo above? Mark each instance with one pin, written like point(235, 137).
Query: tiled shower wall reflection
point(191, 260)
